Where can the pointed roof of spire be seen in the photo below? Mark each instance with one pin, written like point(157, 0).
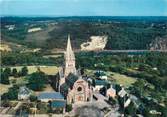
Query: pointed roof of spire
point(69, 51)
point(69, 48)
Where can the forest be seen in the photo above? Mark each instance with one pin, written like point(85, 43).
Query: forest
point(123, 32)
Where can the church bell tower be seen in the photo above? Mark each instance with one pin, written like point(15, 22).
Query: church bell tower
point(69, 59)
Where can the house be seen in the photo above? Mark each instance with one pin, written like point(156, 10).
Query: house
point(98, 84)
point(111, 92)
point(122, 93)
point(24, 93)
point(50, 96)
point(101, 75)
point(58, 105)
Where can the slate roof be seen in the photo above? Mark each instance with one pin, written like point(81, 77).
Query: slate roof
point(58, 104)
point(50, 95)
point(24, 91)
point(122, 93)
point(71, 80)
point(99, 73)
point(64, 87)
point(101, 82)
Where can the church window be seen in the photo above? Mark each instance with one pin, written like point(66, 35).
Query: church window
point(79, 89)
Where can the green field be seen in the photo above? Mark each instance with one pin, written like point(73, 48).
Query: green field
point(121, 79)
point(49, 70)
point(116, 78)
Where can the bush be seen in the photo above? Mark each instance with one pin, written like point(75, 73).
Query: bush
point(33, 98)
point(68, 107)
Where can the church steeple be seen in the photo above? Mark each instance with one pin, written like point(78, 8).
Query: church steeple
point(69, 59)
point(69, 52)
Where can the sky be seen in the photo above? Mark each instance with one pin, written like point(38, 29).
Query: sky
point(83, 7)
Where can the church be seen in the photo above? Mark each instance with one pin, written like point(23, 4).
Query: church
point(71, 84)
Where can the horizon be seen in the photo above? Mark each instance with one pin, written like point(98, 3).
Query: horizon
point(68, 8)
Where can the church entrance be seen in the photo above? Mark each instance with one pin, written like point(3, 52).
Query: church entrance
point(80, 98)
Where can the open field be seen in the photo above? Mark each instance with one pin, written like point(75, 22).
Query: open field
point(50, 70)
point(121, 79)
point(39, 37)
point(116, 77)
point(4, 88)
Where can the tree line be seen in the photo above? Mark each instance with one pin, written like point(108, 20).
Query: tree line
point(7, 72)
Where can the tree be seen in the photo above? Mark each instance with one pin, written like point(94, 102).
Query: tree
point(131, 109)
point(68, 108)
point(4, 78)
point(112, 100)
point(139, 87)
point(24, 71)
point(11, 94)
point(37, 81)
point(14, 72)
point(33, 98)
point(7, 71)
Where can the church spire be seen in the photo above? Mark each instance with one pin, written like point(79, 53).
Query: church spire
point(69, 59)
point(69, 51)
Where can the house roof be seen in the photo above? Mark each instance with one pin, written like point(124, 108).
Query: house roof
point(100, 82)
point(111, 89)
point(99, 73)
point(58, 104)
point(64, 87)
point(70, 80)
point(50, 95)
point(24, 91)
point(122, 92)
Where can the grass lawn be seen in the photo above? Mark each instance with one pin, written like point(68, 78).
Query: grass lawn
point(121, 79)
point(116, 77)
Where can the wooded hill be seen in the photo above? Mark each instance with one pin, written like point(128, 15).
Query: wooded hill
point(123, 32)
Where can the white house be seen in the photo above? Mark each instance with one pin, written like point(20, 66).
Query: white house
point(103, 77)
point(24, 93)
point(122, 93)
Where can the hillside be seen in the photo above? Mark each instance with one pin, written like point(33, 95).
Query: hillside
point(122, 32)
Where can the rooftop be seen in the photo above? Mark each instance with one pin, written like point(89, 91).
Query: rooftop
point(50, 95)
point(58, 104)
point(101, 82)
point(24, 91)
